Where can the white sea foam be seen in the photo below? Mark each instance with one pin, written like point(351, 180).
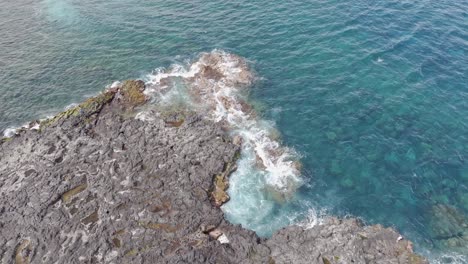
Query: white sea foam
point(9, 132)
point(12, 131)
point(115, 84)
point(36, 126)
point(216, 83)
point(70, 106)
point(268, 172)
point(453, 258)
point(313, 218)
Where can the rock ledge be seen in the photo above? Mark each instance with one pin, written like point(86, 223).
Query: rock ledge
point(96, 185)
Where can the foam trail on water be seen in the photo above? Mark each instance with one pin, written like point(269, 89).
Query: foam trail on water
point(216, 85)
point(453, 258)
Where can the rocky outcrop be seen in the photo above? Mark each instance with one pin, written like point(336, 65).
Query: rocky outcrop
point(97, 185)
point(341, 241)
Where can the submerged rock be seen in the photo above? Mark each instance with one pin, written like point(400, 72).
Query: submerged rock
point(97, 185)
point(331, 135)
point(449, 228)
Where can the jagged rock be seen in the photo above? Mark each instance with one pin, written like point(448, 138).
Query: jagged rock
point(221, 183)
point(341, 241)
point(132, 93)
point(96, 185)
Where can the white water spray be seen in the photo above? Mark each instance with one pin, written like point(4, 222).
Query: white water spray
point(268, 173)
point(215, 84)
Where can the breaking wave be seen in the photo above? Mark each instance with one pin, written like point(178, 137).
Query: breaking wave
point(216, 84)
point(268, 173)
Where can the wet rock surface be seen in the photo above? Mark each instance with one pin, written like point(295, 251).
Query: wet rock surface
point(96, 185)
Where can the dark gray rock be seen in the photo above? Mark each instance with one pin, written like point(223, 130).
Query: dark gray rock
point(96, 185)
point(341, 241)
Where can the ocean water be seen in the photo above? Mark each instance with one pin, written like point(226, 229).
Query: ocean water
point(370, 96)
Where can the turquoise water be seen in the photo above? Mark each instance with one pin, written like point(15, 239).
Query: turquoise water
point(372, 94)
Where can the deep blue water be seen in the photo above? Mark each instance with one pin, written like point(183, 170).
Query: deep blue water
point(372, 94)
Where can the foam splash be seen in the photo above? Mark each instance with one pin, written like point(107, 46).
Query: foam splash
point(268, 173)
point(13, 131)
point(9, 132)
point(216, 84)
point(313, 218)
point(453, 258)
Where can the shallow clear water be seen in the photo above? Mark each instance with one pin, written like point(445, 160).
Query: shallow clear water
point(372, 94)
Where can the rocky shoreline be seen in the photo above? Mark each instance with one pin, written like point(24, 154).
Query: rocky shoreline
point(94, 184)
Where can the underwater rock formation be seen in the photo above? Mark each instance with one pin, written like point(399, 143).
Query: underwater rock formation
point(449, 228)
point(97, 185)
